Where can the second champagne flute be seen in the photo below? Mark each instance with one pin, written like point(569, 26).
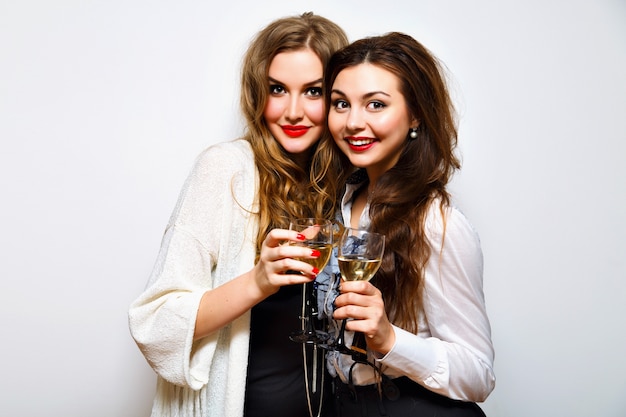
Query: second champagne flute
point(359, 254)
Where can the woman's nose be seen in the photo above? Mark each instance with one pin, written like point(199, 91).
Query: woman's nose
point(355, 121)
point(294, 111)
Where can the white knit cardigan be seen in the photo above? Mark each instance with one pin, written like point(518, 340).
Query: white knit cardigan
point(209, 240)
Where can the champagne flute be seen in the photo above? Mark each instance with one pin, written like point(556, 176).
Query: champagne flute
point(360, 253)
point(318, 235)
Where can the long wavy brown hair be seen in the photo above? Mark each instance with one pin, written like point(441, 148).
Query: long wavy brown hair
point(401, 197)
point(286, 190)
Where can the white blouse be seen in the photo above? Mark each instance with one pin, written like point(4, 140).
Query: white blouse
point(452, 353)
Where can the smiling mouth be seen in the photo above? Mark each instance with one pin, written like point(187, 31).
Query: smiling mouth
point(360, 144)
point(295, 131)
point(361, 141)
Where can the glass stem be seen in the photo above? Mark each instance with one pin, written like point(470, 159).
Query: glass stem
point(309, 329)
point(340, 342)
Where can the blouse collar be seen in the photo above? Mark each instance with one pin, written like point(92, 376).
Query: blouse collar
point(354, 183)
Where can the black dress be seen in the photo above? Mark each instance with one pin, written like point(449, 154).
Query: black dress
point(276, 380)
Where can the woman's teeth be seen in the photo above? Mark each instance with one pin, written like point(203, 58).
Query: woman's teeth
point(359, 142)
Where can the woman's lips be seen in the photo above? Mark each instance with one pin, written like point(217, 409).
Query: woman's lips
point(295, 131)
point(359, 143)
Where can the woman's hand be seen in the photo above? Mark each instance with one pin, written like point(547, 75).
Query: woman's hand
point(276, 267)
point(363, 302)
point(278, 263)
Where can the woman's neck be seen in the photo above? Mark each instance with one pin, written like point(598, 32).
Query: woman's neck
point(359, 201)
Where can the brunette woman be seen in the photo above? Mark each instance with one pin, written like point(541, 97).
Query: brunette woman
point(429, 349)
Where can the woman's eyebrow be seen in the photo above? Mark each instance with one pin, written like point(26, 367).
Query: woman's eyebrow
point(365, 96)
point(315, 82)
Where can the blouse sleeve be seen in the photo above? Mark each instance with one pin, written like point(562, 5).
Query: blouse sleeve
point(452, 353)
point(162, 319)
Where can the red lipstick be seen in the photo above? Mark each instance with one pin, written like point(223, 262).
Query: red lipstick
point(295, 131)
point(359, 144)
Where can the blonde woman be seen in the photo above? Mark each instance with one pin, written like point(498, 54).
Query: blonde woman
point(214, 319)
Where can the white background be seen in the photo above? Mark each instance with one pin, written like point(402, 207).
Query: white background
point(104, 105)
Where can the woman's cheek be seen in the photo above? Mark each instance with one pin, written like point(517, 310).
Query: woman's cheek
point(273, 111)
point(315, 112)
point(334, 125)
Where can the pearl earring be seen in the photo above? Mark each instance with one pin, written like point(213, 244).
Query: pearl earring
point(413, 133)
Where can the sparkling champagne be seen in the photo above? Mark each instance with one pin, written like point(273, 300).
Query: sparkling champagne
point(325, 251)
point(357, 267)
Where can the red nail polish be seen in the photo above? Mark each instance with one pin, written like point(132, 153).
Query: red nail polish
point(301, 236)
point(315, 253)
point(316, 271)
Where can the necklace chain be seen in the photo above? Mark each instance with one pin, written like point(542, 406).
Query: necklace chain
point(306, 370)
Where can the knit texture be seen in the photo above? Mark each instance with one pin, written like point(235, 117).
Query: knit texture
point(209, 240)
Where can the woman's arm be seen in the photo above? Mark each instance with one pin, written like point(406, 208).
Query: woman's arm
point(220, 306)
point(199, 282)
point(452, 353)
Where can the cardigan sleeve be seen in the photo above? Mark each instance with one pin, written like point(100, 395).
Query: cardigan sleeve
point(199, 233)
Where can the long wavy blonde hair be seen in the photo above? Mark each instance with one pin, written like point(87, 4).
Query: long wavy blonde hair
point(286, 190)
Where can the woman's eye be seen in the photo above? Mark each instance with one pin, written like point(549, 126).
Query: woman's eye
point(376, 105)
point(276, 89)
point(314, 92)
point(340, 104)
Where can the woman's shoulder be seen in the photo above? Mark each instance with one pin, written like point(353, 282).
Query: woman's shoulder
point(225, 158)
point(220, 170)
point(227, 152)
point(449, 219)
point(220, 165)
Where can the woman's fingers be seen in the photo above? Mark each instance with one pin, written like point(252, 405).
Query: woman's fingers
point(358, 293)
point(362, 302)
point(285, 264)
point(277, 237)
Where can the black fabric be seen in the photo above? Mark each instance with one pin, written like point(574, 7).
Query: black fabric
point(275, 385)
point(401, 397)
